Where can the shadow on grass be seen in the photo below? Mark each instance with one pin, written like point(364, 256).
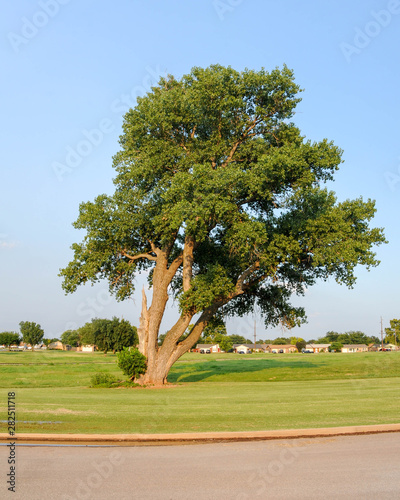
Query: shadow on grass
point(196, 372)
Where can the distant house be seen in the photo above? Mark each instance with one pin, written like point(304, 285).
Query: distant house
point(56, 345)
point(284, 348)
point(378, 347)
point(207, 348)
point(319, 347)
point(247, 348)
point(354, 348)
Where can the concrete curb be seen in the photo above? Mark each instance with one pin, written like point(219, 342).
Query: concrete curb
point(204, 437)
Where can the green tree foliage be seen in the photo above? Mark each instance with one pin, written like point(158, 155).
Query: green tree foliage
point(281, 341)
point(122, 334)
point(336, 347)
point(237, 339)
point(32, 333)
point(300, 344)
point(392, 334)
point(328, 338)
point(225, 343)
point(132, 362)
point(351, 337)
point(222, 200)
point(70, 337)
point(9, 338)
point(107, 334)
point(215, 327)
point(86, 334)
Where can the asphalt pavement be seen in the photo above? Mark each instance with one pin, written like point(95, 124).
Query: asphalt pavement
point(335, 467)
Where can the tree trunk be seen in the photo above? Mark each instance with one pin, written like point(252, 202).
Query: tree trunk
point(160, 359)
point(156, 373)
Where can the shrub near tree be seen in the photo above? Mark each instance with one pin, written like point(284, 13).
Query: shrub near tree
point(32, 333)
point(132, 362)
point(9, 338)
point(222, 201)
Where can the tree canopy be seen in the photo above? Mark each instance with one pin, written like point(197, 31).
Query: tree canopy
point(9, 338)
point(70, 337)
point(351, 337)
point(221, 200)
point(32, 333)
point(392, 334)
point(107, 334)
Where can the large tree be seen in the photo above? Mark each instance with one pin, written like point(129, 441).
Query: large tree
point(32, 333)
point(107, 334)
point(221, 200)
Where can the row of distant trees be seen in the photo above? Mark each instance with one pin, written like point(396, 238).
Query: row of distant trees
point(30, 333)
point(107, 334)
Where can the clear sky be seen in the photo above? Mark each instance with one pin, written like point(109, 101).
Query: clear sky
point(69, 71)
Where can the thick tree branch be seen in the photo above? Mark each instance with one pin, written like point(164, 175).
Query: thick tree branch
point(240, 285)
point(173, 268)
point(138, 256)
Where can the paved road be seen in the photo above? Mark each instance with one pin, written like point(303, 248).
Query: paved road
point(351, 467)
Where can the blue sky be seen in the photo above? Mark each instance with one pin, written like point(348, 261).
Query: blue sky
point(71, 69)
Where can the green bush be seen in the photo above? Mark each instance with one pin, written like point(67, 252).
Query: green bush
point(336, 347)
point(132, 362)
point(102, 379)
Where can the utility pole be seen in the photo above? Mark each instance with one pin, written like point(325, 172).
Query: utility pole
point(381, 334)
point(255, 334)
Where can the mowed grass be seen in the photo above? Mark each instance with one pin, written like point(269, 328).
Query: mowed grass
point(224, 392)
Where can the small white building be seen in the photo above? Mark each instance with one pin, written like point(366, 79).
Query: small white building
point(319, 347)
point(87, 348)
point(241, 348)
point(354, 348)
point(283, 348)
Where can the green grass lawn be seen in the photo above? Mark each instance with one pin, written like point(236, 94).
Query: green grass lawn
point(209, 393)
